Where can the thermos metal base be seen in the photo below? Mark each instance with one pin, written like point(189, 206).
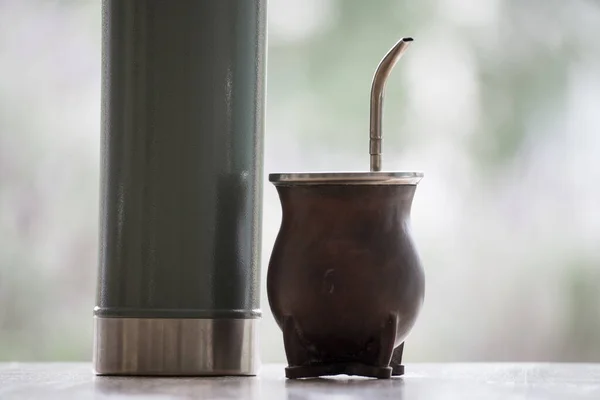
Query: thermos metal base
point(175, 347)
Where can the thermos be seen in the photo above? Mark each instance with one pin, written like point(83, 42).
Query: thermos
point(181, 187)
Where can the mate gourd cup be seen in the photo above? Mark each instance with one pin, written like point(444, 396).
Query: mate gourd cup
point(345, 283)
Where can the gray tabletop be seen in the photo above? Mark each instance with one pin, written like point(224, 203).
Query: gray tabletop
point(422, 381)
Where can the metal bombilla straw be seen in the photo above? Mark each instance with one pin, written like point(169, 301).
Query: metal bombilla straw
point(377, 92)
point(375, 176)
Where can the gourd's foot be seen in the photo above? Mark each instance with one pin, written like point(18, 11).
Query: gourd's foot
point(314, 371)
point(398, 370)
point(396, 362)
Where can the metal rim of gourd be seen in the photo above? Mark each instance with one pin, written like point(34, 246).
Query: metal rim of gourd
point(375, 176)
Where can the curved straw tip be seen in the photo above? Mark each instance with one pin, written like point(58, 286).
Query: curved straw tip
point(407, 39)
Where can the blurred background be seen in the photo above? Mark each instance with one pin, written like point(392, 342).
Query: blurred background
point(498, 101)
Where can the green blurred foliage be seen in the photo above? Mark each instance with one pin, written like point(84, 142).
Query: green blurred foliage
point(511, 271)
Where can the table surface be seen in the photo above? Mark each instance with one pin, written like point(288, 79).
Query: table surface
point(422, 381)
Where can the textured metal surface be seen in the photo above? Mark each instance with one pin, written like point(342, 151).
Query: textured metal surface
point(137, 346)
point(183, 104)
point(377, 92)
point(422, 381)
point(347, 178)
